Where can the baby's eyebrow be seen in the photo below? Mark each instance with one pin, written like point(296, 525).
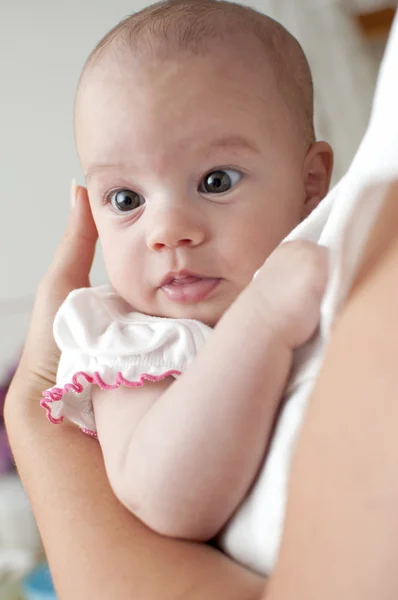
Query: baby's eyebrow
point(98, 167)
point(234, 142)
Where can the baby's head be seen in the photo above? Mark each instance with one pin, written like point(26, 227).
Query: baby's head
point(194, 127)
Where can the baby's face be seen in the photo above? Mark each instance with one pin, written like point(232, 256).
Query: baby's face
point(193, 178)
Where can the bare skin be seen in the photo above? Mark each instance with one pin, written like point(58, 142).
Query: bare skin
point(173, 450)
point(340, 539)
point(64, 489)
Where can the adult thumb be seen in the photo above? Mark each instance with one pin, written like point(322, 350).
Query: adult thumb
point(75, 253)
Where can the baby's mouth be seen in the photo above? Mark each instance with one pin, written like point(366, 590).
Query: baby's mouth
point(186, 287)
point(188, 279)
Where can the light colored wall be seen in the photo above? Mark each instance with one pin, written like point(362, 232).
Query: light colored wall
point(43, 45)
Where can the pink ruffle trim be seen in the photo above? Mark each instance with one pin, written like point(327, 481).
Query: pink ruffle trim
point(56, 394)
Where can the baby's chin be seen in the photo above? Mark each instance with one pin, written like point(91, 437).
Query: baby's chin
point(205, 312)
point(208, 312)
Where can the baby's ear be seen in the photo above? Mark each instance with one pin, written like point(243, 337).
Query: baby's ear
point(317, 173)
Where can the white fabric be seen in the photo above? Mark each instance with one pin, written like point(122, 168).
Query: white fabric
point(99, 336)
point(342, 223)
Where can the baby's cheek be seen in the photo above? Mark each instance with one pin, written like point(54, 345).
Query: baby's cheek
point(253, 253)
point(114, 266)
point(128, 283)
point(124, 268)
point(109, 256)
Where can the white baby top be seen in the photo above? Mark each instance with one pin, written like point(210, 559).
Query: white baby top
point(116, 347)
point(103, 343)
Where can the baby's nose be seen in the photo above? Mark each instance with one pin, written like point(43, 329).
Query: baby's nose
point(172, 229)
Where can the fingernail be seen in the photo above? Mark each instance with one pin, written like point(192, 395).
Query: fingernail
point(73, 191)
point(256, 274)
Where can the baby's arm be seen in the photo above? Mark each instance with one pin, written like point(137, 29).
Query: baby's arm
point(182, 456)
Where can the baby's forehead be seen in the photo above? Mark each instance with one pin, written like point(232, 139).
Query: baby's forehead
point(209, 29)
point(154, 59)
point(172, 75)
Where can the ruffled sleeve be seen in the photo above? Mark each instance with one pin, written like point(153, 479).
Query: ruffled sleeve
point(103, 343)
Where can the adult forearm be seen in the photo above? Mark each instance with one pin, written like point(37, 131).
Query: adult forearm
point(95, 547)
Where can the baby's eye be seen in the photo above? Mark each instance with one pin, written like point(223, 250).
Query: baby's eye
point(126, 200)
point(219, 181)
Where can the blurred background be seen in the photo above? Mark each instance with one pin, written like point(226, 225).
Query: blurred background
point(43, 46)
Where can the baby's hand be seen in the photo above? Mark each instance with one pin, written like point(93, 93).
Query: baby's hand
point(292, 283)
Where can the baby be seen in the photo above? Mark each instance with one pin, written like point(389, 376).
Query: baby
point(194, 128)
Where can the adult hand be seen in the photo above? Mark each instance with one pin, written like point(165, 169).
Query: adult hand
point(69, 270)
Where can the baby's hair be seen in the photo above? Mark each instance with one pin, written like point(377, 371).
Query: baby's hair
point(194, 25)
